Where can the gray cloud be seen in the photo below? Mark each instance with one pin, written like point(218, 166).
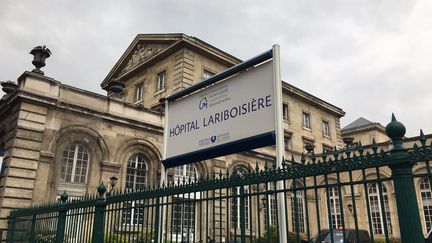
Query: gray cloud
point(370, 58)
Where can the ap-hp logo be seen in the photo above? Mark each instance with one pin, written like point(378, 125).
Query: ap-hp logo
point(203, 103)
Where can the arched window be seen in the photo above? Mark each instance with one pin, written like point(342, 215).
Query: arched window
point(235, 201)
point(336, 217)
point(297, 211)
point(136, 179)
point(184, 210)
point(426, 197)
point(184, 172)
point(136, 173)
point(74, 165)
point(376, 202)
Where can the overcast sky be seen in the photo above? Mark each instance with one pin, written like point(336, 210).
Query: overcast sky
point(369, 58)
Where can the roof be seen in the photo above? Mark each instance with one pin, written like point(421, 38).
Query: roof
point(358, 123)
point(177, 40)
point(171, 43)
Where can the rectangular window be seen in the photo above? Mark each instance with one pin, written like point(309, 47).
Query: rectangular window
point(326, 128)
point(306, 120)
point(207, 74)
point(285, 111)
point(327, 149)
point(287, 143)
point(1, 161)
point(139, 92)
point(183, 217)
point(235, 209)
point(161, 78)
point(271, 211)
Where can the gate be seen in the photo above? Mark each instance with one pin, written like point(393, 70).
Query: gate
point(360, 194)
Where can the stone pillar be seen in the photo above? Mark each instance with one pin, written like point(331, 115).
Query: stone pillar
point(21, 159)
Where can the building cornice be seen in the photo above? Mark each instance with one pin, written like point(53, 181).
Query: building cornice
point(305, 96)
point(56, 95)
point(364, 128)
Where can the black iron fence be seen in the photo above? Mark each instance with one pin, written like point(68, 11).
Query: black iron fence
point(355, 195)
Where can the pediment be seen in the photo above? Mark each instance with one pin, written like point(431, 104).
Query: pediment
point(146, 49)
point(141, 53)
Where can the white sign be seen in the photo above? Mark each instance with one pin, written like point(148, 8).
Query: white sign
point(232, 110)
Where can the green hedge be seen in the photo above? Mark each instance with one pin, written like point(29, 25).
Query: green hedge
point(115, 238)
point(292, 237)
point(383, 240)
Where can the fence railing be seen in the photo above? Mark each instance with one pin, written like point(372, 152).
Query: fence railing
point(355, 195)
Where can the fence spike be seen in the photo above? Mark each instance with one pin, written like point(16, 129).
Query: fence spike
point(302, 158)
point(348, 151)
point(374, 145)
point(335, 153)
point(360, 148)
point(324, 155)
point(292, 159)
point(256, 167)
point(266, 166)
point(422, 138)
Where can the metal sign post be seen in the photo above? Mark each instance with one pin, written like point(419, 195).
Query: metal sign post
point(280, 148)
point(164, 178)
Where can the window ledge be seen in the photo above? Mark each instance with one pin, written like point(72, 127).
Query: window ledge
point(158, 92)
point(307, 129)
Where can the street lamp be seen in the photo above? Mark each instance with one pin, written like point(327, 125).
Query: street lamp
point(113, 182)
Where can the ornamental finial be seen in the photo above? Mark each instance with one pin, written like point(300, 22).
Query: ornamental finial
point(395, 130)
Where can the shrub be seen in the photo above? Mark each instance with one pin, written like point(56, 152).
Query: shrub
point(292, 237)
point(145, 236)
point(113, 237)
point(383, 240)
point(45, 237)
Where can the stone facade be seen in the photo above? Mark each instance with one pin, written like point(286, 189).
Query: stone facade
point(364, 131)
point(44, 119)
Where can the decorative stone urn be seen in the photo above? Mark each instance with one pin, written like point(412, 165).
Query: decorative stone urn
point(9, 86)
point(40, 53)
point(116, 86)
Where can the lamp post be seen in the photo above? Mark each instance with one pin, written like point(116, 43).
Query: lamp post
point(113, 182)
point(40, 53)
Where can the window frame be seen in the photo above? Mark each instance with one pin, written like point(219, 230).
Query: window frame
point(2, 155)
point(287, 142)
point(139, 92)
point(426, 192)
point(376, 196)
point(184, 215)
point(235, 225)
point(161, 85)
point(306, 121)
point(207, 71)
point(299, 195)
point(62, 178)
point(325, 128)
point(285, 112)
point(336, 215)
